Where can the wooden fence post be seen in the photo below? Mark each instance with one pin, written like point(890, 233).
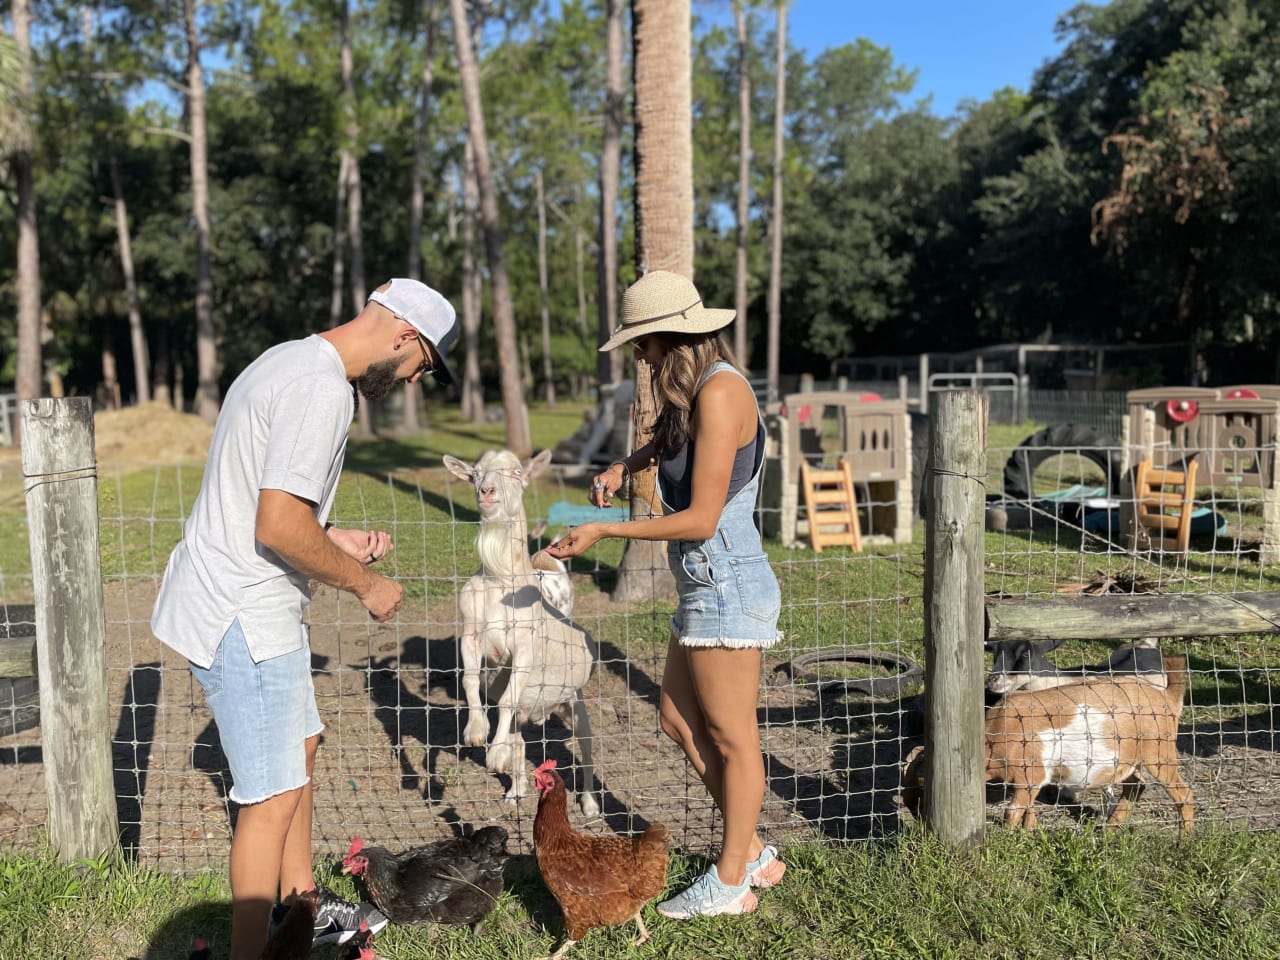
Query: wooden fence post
point(61, 482)
point(953, 603)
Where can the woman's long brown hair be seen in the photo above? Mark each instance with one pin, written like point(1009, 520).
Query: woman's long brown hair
point(688, 358)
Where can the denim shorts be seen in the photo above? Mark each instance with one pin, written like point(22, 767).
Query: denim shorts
point(265, 712)
point(726, 599)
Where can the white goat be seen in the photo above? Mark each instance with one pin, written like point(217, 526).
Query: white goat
point(516, 633)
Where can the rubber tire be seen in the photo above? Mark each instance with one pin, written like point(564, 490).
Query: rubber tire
point(1021, 466)
point(890, 686)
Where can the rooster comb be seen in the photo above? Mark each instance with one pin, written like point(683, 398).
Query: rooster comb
point(357, 844)
point(545, 766)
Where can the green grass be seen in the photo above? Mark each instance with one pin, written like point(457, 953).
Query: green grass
point(1020, 896)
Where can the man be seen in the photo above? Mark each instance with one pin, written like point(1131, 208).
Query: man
point(236, 585)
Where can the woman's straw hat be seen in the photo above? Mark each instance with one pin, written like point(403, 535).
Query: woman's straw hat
point(664, 302)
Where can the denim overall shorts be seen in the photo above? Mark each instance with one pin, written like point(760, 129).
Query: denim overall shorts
point(729, 596)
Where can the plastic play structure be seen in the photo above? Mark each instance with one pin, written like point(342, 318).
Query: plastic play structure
point(871, 435)
point(1229, 435)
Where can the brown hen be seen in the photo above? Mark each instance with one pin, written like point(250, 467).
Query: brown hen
point(599, 881)
point(292, 939)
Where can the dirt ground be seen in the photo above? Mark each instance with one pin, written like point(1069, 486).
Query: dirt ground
point(390, 768)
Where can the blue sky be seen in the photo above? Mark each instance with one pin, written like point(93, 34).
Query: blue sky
point(960, 48)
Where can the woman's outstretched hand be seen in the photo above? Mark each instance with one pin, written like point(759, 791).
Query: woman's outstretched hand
point(576, 542)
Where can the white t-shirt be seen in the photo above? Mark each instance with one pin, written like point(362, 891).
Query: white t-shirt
point(283, 426)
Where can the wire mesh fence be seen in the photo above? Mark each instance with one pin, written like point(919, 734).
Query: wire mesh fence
point(840, 705)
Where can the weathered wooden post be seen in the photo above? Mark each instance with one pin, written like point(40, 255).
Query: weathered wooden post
point(954, 796)
point(61, 482)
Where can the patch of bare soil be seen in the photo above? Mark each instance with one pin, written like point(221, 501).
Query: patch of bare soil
point(150, 433)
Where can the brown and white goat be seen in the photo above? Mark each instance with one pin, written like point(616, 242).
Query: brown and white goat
point(516, 636)
point(1080, 735)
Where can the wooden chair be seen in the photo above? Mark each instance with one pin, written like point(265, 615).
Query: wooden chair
point(830, 503)
point(1163, 503)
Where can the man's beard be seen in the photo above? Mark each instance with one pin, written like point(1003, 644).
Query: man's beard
point(378, 379)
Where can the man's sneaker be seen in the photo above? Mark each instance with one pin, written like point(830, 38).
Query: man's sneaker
point(337, 920)
point(766, 870)
point(708, 897)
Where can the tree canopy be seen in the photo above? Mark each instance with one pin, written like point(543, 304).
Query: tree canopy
point(1124, 195)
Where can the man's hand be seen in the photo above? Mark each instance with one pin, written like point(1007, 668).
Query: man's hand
point(381, 597)
point(367, 546)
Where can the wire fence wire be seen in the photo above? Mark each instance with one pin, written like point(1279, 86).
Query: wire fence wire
point(840, 705)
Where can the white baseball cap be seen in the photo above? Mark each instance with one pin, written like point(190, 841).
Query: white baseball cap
point(428, 312)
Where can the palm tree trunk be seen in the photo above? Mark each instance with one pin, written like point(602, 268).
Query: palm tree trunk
point(744, 187)
point(664, 232)
point(29, 374)
point(517, 414)
point(609, 365)
point(137, 336)
point(207, 394)
point(775, 219)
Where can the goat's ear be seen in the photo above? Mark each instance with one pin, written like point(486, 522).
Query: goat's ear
point(992, 645)
point(1044, 646)
point(535, 466)
point(460, 468)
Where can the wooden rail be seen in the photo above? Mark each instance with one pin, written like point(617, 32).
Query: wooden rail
point(18, 658)
point(1119, 617)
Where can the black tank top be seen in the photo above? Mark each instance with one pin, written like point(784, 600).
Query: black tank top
point(675, 472)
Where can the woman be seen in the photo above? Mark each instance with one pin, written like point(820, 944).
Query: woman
point(709, 448)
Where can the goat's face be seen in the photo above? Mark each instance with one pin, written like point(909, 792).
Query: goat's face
point(499, 478)
point(1021, 665)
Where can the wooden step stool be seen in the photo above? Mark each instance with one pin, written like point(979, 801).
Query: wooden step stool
point(829, 501)
point(1163, 502)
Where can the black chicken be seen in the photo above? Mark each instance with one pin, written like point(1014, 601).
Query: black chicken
point(452, 881)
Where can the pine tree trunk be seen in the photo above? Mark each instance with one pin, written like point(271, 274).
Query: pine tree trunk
point(161, 370)
point(472, 387)
point(207, 393)
point(355, 227)
point(413, 391)
point(744, 188)
point(29, 374)
point(517, 414)
point(609, 365)
point(775, 219)
point(548, 375)
point(338, 275)
point(137, 336)
point(110, 375)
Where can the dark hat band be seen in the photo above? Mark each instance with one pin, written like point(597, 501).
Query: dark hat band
point(665, 316)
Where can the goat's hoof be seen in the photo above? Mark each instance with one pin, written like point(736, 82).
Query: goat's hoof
point(498, 758)
point(589, 805)
point(514, 795)
point(475, 734)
